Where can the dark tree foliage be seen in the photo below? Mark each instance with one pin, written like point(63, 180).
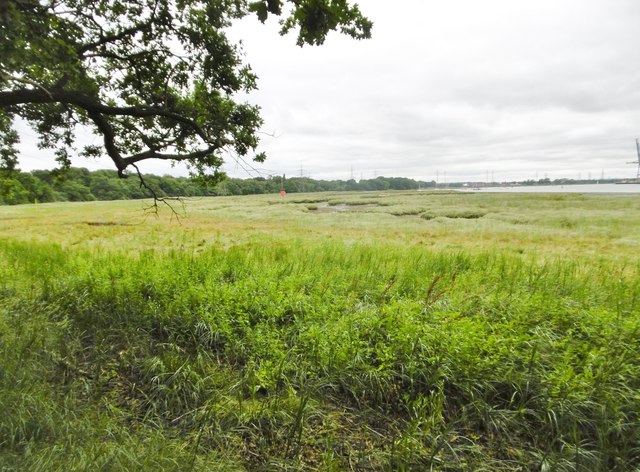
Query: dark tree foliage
point(156, 79)
point(76, 184)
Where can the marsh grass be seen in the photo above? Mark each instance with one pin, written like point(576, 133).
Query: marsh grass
point(321, 350)
point(541, 225)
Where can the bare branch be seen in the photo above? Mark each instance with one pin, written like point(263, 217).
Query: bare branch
point(154, 207)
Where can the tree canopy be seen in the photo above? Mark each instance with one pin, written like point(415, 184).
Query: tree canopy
point(157, 79)
point(79, 184)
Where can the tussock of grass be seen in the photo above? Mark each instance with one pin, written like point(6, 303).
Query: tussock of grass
point(352, 202)
point(407, 212)
point(327, 356)
point(465, 214)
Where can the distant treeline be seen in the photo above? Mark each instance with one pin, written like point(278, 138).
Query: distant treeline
point(81, 185)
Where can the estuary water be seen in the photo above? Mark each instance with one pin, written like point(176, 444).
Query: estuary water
point(582, 188)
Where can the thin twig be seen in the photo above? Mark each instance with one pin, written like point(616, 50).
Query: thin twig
point(166, 200)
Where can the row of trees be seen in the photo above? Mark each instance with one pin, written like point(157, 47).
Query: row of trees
point(79, 184)
point(305, 184)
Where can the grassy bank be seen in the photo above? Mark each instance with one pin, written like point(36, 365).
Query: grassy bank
point(334, 334)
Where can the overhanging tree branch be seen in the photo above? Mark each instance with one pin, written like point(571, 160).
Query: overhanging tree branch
point(169, 65)
point(90, 104)
point(116, 37)
point(109, 140)
point(96, 111)
point(151, 154)
point(5, 77)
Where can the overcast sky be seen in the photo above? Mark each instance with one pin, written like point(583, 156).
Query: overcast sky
point(455, 90)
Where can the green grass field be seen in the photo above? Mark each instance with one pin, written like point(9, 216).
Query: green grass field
point(363, 331)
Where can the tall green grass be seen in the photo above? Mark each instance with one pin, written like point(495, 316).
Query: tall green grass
point(299, 355)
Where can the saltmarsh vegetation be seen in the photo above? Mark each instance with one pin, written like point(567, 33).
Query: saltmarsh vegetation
point(258, 334)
